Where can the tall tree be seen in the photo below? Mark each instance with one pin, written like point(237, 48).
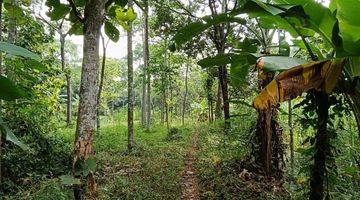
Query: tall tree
point(93, 19)
point(131, 141)
point(146, 66)
point(1, 73)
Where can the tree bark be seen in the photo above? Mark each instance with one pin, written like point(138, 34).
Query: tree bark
point(146, 66)
point(102, 75)
point(321, 147)
point(86, 121)
point(185, 94)
point(131, 142)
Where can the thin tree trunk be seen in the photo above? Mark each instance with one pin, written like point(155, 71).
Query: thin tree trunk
point(131, 141)
point(12, 26)
point(185, 94)
point(68, 80)
point(143, 89)
point(102, 75)
point(321, 147)
point(146, 66)
point(290, 124)
point(163, 108)
point(86, 121)
point(69, 100)
point(167, 113)
point(225, 94)
point(1, 73)
point(218, 106)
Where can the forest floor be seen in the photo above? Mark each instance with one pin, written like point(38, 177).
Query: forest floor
point(189, 183)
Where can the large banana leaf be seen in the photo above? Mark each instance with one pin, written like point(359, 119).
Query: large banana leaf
point(321, 76)
point(349, 23)
point(319, 17)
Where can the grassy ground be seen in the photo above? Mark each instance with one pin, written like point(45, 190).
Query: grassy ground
point(152, 171)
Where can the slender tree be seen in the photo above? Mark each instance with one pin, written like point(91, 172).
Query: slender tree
point(131, 141)
point(1, 73)
point(144, 76)
point(146, 66)
point(185, 92)
point(101, 84)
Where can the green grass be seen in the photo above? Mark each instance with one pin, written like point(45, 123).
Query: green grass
point(151, 171)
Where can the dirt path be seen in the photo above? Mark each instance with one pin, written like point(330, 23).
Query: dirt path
point(189, 182)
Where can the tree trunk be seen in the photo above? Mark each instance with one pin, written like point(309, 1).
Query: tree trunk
point(12, 26)
point(321, 147)
point(68, 80)
point(69, 100)
point(143, 89)
point(162, 121)
point(131, 141)
point(290, 124)
point(146, 66)
point(218, 106)
point(163, 108)
point(86, 121)
point(1, 73)
point(354, 101)
point(166, 112)
point(102, 75)
point(269, 134)
point(185, 94)
point(225, 94)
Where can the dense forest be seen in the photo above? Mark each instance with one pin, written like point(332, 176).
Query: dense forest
point(179, 99)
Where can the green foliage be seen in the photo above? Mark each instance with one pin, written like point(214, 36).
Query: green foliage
point(18, 51)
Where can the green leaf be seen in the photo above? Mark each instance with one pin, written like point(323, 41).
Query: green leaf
point(280, 63)
point(131, 15)
point(89, 166)
point(319, 18)
point(121, 3)
point(238, 73)
point(80, 3)
point(314, 49)
point(18, 51)
point(13, 10)
point(193, 29)
point(353, 68)
point(58, 12)
point(69, 180)
point(76, 28)
point(8, 90)
point(248, 45)
point(11, 137)
point(349, 24)
point(111, 31)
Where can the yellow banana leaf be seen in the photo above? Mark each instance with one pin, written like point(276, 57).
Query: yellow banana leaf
point(321, 76)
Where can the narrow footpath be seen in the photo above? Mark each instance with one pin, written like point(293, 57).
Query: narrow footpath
point(189, 182)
